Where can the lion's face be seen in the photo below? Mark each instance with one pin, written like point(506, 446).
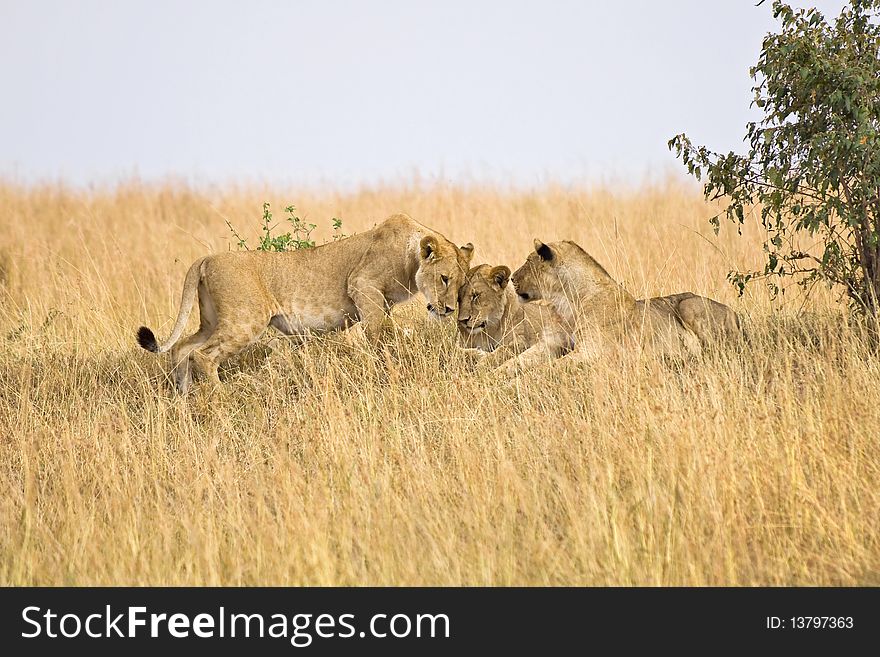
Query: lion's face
point(538, 278)
point(442, 270)
point(481, 300)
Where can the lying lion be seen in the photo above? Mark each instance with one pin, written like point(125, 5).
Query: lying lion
point(600, 315)
point(491, 320)
point(325, 288)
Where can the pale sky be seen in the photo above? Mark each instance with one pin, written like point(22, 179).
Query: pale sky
point(348, 93)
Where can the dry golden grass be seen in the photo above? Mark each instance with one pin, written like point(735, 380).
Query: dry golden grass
point(333, 464)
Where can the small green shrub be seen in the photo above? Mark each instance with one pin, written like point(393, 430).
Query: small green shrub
point(298, 237)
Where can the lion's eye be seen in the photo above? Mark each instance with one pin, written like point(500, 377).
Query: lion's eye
point(475, 296)
point(445, 280)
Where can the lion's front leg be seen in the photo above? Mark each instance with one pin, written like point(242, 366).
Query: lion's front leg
point(476, 358)
point(373, 311)
point(532, 358)
point(376, 327)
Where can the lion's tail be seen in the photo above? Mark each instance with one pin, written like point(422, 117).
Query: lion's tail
point(145, 336)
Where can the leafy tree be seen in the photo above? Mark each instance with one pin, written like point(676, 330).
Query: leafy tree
point(813, 164)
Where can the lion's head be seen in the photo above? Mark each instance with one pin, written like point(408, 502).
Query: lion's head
point(442, 270)
point(563, 274)
point(482, 299)
point(539, 277)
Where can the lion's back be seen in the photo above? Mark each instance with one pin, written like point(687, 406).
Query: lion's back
point(706, 318)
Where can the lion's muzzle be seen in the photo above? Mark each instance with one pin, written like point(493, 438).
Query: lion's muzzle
point(433, 309)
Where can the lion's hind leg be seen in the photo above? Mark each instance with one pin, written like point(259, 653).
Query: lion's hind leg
point(708, 319)
point(224, 343)
point(181, 361)
point(181, 365)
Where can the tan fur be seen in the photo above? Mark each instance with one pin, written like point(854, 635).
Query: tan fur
point(513, 335)
point(324, 288)
point(604, 317)
point(707, 318)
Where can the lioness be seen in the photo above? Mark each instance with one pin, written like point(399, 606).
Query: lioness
point(491, 320)
point(324, 288)
point(602, 315)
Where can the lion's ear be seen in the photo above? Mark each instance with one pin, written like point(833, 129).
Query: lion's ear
point(500, 275)
point(543, 250)
point(467, 251)
point(428, 246)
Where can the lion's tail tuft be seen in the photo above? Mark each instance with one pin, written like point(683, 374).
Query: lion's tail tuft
point(147, 339)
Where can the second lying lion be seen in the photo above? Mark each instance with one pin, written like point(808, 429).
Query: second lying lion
point(577, 299)
point(603, 316)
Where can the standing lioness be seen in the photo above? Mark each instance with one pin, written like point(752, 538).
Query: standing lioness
point(325, 288)
point(602, 315)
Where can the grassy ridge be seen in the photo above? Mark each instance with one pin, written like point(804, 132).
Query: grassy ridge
point(334, 464)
